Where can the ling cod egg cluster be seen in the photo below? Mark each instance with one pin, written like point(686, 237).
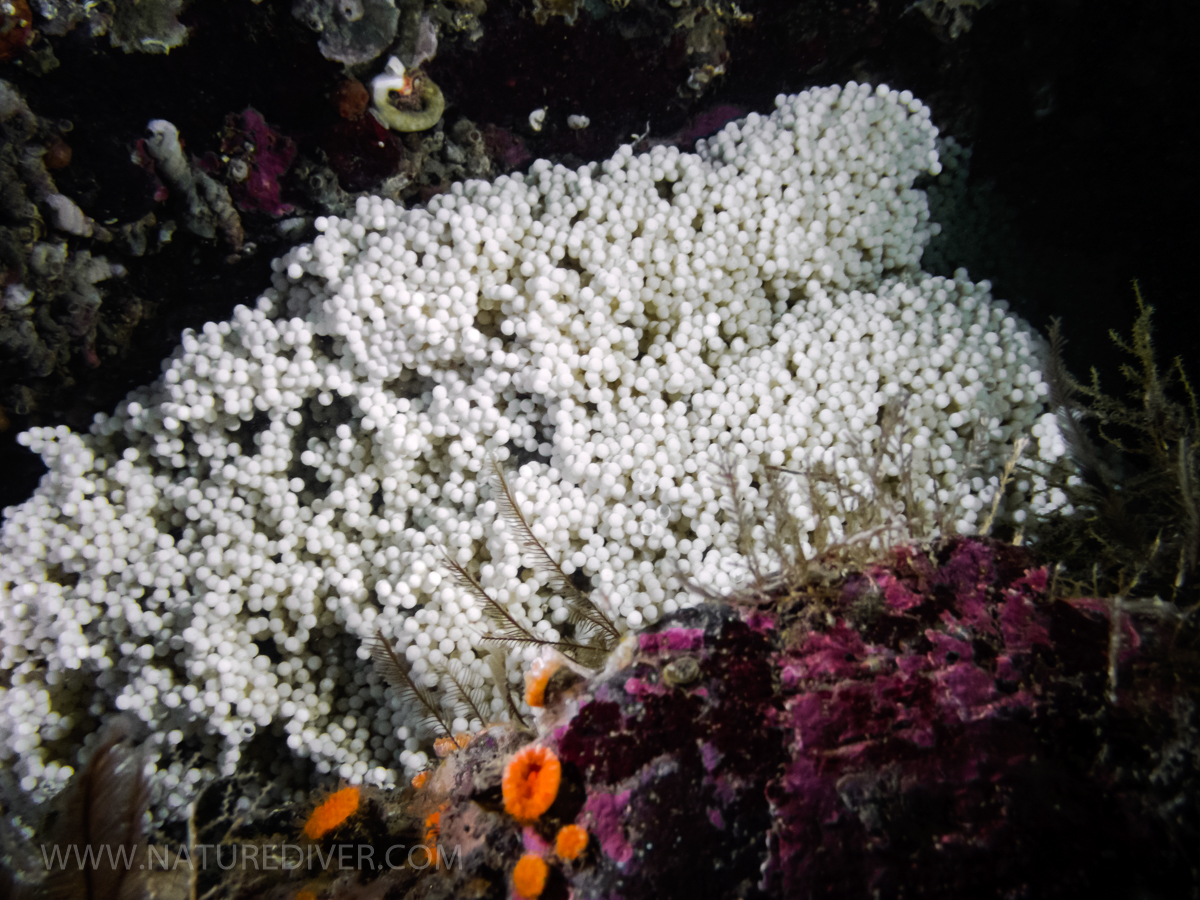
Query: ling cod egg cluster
point(214, 556)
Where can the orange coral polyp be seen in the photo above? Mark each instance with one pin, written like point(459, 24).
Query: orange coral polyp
point(444, 746)
point(336, 809)
point(571, 841)
point(529, 876)
point(536, 680)
point(531, 781)
point(433, 830)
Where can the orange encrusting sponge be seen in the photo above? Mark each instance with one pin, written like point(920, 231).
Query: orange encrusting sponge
point(529, 876)
point(531, 781)
point(336, 809)
point(571, 841)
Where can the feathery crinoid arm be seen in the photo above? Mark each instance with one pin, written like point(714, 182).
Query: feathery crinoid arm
point(395, 672)
point(580, 607)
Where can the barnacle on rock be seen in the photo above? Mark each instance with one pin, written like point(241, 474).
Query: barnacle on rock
point(683, 670)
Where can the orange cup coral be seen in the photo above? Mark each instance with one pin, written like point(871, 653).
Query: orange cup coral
point(332, 812)
point(433, 830)
point(444, 746)
point(531, 781)
point(571, 841)
point(529, 876)
point(536, 679)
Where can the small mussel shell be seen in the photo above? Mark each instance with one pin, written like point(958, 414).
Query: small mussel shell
point(681, 670)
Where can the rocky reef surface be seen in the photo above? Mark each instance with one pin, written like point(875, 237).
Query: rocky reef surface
point(939, 724)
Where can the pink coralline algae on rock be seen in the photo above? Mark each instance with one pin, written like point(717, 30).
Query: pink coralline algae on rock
point(362, 152)
point(259, 156)
point(933, 726)
point(505, 148)
point(674, 639)
point(924, 715)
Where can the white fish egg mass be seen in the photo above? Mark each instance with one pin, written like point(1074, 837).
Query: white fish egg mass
point(213, 557)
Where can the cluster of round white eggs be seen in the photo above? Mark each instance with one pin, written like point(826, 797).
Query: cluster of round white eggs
point(215, 557)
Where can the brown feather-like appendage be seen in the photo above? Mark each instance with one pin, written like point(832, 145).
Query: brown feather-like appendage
point(579, 605)
point(395, 672)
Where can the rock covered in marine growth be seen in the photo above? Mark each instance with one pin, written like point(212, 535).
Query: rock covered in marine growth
point(928, 727)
